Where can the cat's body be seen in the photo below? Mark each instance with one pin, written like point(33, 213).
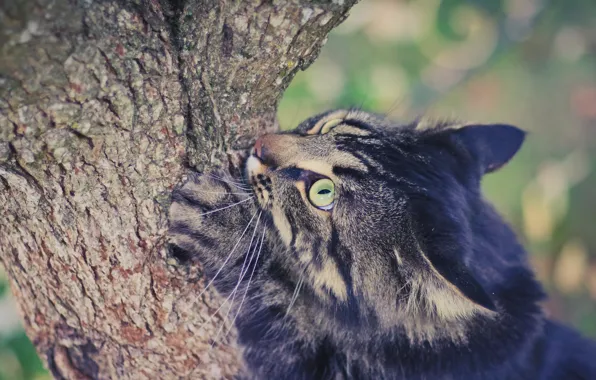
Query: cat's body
point(404, 273)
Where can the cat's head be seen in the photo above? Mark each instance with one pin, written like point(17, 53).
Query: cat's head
point(389, 218)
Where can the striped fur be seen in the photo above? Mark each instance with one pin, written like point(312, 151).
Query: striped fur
point(411, 275)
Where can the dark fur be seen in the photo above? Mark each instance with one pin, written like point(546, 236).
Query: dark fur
point(417, 194)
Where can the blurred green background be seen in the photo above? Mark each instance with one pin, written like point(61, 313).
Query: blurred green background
point(530, 63)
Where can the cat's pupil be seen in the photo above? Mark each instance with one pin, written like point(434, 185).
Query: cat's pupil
point(324, 191)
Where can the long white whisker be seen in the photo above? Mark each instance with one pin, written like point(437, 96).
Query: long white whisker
point(220, 178)
point(234, 292)
point(243, 271)
point(222, 192)
point(224, 303)
point(295, 295)
point(223, 208)
point(248, 284)
point(231, 182)
point(229, 256)
point(403, 287)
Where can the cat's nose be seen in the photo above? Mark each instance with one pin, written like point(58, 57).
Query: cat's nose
point(258, 147)
point(261, 149)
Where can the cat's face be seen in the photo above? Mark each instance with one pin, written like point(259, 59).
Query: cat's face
point(377, 213)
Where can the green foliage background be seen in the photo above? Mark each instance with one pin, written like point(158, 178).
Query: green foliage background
point(531, 63)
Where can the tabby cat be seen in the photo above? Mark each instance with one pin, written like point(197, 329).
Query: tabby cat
point(356, 248)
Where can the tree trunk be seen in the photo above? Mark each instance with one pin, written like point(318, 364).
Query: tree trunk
point(104, 104)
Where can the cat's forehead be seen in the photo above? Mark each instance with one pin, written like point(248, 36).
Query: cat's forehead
point(355, 116)
point(377, 122)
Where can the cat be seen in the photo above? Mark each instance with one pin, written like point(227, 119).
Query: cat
point(356, 248)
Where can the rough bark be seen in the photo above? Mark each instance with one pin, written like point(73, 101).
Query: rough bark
point(103, 106)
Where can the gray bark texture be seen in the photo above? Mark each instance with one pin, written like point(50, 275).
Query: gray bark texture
point(104, 105)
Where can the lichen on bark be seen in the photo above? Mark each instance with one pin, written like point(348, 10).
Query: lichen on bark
point(103, 107)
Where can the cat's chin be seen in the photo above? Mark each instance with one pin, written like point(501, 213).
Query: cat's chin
point(254, 166)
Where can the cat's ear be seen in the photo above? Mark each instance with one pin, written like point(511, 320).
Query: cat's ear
point(492, 146)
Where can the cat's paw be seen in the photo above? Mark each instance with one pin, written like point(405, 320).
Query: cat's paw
point(208, 214)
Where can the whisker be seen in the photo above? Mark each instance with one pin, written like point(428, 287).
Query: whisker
point(218, 309)
point(234, 292)
point(295, 295)
point(223, 208)
point(221, 192)
point(243, 271)
point(232, 182)
point(217, 177)
point(364, 99)
point(399, 100)
point(248, 284)
point(227, 258)
point(403, 287)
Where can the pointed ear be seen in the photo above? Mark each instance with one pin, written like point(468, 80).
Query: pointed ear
point(491, 145)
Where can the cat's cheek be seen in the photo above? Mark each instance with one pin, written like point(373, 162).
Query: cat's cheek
point(282, 224)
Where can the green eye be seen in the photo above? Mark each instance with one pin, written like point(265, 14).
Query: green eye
point(322, 193)
point(329, 125)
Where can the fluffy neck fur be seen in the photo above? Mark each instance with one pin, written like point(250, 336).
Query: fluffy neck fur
point(423, 341)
